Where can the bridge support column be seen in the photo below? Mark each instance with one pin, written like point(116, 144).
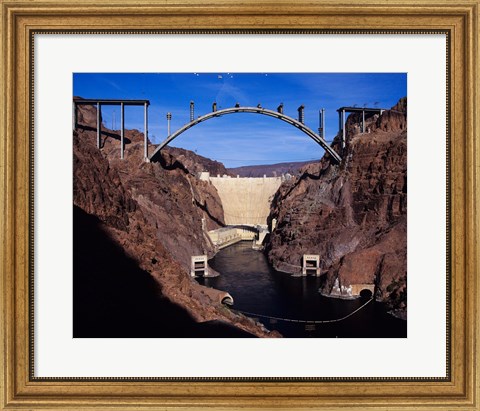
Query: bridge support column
point(323, 123)
point(363, 121)
point(320, 133)
point(301, 114)
point(99, 124)
point(74, 116)
point(169, 117)
point(122, 129)
point(145, 132)
point(343, 128)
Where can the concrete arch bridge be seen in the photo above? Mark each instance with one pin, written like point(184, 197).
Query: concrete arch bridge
point(254, 110)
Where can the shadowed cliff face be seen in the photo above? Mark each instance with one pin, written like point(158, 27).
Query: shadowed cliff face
point(114, 297)
point(147, 219)
point(354, 215)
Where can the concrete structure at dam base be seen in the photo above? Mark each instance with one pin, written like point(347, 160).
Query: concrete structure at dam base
point(246, 206)
point(226, 236)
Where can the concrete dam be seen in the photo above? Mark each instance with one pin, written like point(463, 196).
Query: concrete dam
point(245, 200)
point(246, 206)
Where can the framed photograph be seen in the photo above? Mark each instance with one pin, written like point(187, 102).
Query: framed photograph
point(206, 205)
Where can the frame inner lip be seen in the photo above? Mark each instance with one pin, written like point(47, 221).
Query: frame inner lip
point(32, 376)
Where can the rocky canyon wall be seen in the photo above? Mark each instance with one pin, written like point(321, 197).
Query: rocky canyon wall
point(156, 214)
point(353, 215)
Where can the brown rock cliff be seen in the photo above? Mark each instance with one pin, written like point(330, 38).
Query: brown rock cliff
point(153, 212)
point(353, 215)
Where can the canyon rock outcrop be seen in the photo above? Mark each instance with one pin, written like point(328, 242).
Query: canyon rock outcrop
point(353, 215)
point(155, 213)
point(196, 163)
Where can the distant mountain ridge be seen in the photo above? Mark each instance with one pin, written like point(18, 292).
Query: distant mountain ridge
point(270, 169)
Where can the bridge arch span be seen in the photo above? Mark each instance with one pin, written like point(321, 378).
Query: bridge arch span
point(255, 110)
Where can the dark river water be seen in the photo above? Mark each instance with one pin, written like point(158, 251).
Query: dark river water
point(257, 288)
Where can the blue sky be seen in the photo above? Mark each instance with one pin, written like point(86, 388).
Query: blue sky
point(240, 139)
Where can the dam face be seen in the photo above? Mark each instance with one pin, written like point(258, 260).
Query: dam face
point(245, 200)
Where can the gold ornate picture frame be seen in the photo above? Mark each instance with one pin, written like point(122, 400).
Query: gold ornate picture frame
point(21, 390)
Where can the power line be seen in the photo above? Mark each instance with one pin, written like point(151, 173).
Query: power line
point(305, 321)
